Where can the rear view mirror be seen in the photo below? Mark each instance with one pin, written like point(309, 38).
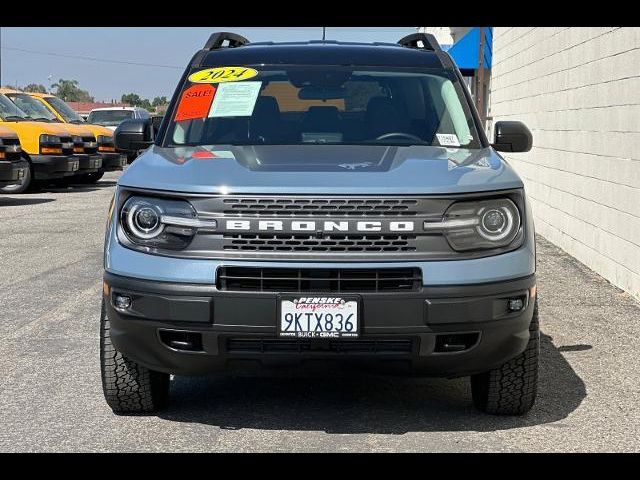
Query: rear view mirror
point(134, 134)
point(512, 136)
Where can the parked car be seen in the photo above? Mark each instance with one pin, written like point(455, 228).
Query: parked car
point(84, 142)
point(13, 167)
point(112, 160)
point(111, 117)
point(47, 147)
point(320, 202)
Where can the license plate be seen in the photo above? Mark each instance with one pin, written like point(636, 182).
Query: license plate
point(21, 174)
point(319, 317)
point(75, 165)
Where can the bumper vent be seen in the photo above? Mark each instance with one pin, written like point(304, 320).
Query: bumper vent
point(318, 280)
point(291, 346)
point(329, 243)
point(311, 207)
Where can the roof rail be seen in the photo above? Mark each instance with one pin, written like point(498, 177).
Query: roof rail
point(428, 41)
point(217, 39)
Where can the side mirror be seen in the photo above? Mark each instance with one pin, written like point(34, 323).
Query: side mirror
point(512, 136)
point(133, 135)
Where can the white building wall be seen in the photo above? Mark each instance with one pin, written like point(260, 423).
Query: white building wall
point(578, 90)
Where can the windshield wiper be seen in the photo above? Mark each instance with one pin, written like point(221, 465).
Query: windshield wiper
point(41, 119)
point(76, 121)
point(14, 118)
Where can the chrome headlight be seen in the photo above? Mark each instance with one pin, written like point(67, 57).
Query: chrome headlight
point(159, 222)
point(50, 139)
point(483, 224)
point(105, 143)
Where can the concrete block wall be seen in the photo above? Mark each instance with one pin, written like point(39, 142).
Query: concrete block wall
point(578, 90)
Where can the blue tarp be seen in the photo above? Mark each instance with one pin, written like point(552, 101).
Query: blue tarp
point(465, 51)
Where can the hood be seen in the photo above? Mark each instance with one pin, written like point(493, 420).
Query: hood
point(7, 133)
point(326, 169)
point(98, 129)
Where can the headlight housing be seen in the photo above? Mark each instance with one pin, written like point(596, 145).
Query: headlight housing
point(105, 143)
point(50, 144)
point(160, 223)
point(476, 225)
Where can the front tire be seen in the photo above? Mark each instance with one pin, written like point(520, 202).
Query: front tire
point(511, 388)
point(22, 187)
point(128, 386)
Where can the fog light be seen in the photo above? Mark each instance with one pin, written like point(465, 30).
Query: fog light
point(122, 301)
point(516, 304)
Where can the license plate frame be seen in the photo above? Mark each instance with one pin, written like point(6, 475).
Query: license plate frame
point(312, 331)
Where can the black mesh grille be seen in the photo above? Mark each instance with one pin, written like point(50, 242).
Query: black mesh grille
point(293, 346)
point(318, 279)
point(329, 243)
point(320, 207)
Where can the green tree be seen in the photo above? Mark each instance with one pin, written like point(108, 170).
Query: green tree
point(69, 91)
point(35, 88)
point(132, 99)
point(159, 101)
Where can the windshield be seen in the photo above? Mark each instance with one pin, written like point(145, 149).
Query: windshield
point(64, 110)
point(32, 107)
point(109, 118)
point(9, 110)
point(322, 105)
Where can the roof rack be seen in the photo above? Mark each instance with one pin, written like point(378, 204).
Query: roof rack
point(217, 39)
point(414, 40)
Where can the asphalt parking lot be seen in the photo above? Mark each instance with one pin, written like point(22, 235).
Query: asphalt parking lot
point(51, 396)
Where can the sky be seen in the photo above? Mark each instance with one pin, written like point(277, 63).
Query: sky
point(42, 54)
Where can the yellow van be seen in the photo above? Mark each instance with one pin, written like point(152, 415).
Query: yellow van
point(111, 159)
point(13, 167)
point(47, 147)
point(85, 146)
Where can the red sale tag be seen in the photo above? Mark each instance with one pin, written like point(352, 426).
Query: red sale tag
point(195, 102)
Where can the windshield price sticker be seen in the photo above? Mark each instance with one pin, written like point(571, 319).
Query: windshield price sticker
point(448, 139)
point(222, 74)
point(235, 99)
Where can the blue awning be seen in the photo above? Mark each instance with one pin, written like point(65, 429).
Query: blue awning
point(465, 51)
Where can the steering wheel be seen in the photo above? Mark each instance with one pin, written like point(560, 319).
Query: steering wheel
point(400, 134)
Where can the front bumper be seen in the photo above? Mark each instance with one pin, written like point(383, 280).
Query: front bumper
point(88, 163)
point(112, 162)
point(12, 172)
point(47, 167)
point(401, 331)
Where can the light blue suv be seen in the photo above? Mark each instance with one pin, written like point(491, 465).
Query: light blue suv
point(320, 202)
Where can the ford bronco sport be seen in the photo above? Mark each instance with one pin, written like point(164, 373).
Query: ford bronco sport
point(320, 201)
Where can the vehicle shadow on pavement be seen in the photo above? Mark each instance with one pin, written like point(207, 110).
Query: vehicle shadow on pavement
point(364, 403)
point(20, 201)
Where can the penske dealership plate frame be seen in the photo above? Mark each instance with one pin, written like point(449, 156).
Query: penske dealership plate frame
point(347, 298)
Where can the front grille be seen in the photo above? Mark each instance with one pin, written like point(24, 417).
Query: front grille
point(402, 346)
point(87, 141)
point(69, 140)
point(328, 243)
point(320, 207)
point(318, 279)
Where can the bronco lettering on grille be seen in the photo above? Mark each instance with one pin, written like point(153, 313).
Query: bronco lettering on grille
point(324, 226)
